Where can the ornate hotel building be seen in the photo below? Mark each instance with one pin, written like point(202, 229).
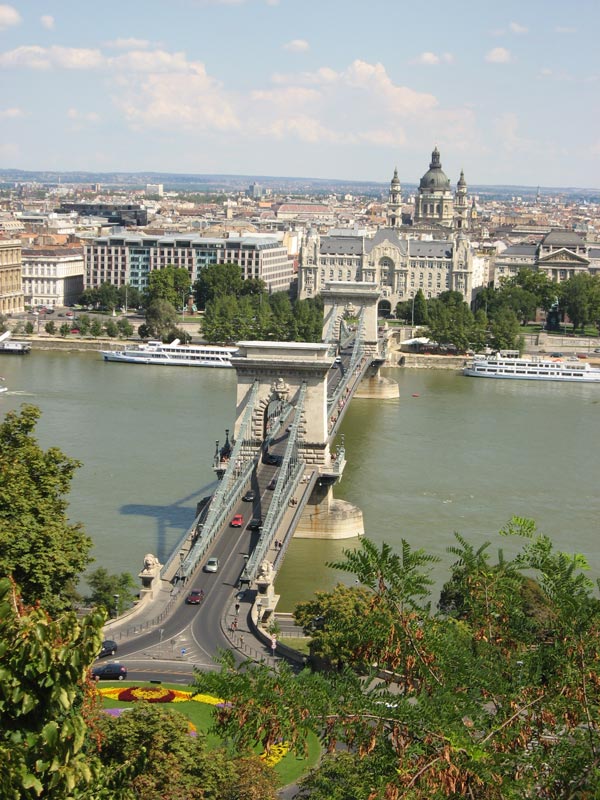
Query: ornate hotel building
point(433, 254)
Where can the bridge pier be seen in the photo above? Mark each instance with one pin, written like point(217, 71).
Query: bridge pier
point(326, 517)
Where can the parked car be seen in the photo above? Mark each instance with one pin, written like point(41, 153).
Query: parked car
point(249, 496)
point(212, 565)
point(255, 524)
point(556, 355)
point(237, 521)
point(109, 648)
point(581, 355)
point(110, 672)
point(195, 597)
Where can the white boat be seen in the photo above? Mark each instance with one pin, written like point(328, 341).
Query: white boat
point(173, 354)
point(3, 388)
point(9, 346)
point(533, 369)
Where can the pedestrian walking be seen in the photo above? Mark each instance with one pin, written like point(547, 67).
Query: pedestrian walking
point(237, 609)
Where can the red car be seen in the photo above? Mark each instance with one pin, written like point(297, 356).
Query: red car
point(237, 521)
point(195, 597)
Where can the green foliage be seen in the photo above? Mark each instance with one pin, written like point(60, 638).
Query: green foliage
point(450, 321)
point(65, 329)
point(498, 697)
point(216, 281)
point(96, 328)
point(580, 299)
point(111, 329)
point(125, 328)
point(170, 284)
point(50, 328)
point(504, 330)
point(172, 764)
point(83, 323)
point(29, 328)
point(104, 588)
point(129, 296)
point(43, 737)
point(161, 318)
point(229, 318)
point(39, 547)
point(420, 309)
point(107, 296)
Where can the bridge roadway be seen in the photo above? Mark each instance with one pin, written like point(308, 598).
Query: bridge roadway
point(179, 635)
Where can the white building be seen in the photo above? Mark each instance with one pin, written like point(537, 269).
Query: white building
point(52, 276)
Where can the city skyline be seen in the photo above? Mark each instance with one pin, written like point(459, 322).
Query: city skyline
point(276, 87)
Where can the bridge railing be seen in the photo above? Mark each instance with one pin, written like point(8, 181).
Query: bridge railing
point(333, 317)
point(235, 478)
point(291, 471)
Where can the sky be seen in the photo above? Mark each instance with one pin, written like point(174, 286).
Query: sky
point(339, 89)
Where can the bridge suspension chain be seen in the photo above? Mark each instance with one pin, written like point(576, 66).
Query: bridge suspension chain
point(289, 476)
point(333, 318)
point(230, 487)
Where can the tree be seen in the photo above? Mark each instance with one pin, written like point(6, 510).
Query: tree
point(218, 323)
point(170, 284)
point(216, 281)
point(89, 297)
point(29, 328)
point(450, 321)
point(125, 328)
point(83, 323)
point(504, 330)
point(96, 328)
point(580, 298)
point(172, 764)
point(50, 328)
point(108, 296)
point(110, 326)
point(43, 737)
point(39, 547)
point(161, 318)
point(418, 310)
point(105, 587)
point(65, 329)
point(129, 296)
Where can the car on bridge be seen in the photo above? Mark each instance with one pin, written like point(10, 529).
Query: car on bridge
point(249, 496)
point(237, 521)
point(195, 597)
point(255, 524)
point(110, 672)
point(271, 458)
point(212, 565)
point(273, 483)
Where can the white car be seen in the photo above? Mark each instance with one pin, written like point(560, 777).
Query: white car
point(212, 565)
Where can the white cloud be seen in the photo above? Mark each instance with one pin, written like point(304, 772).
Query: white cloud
point(507, 127)
point(47, 22)
point(80, 116)
point(518, 29)
point(35, 57)
point(9, 16)
point(11, 113)
point(130, 43)
point(297, 46)
point(498, 55)
point(432, 59)
point(151, 61)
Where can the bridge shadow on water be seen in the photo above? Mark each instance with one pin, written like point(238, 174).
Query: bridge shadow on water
point(178, 516)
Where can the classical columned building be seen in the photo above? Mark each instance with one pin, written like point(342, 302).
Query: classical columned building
point(11, 286)
point(560, 255)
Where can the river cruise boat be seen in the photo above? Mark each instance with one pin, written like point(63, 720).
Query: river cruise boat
point(173, 354)
point(534, 369)
point(9, 346)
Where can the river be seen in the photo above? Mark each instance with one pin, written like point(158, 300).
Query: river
point(452, 454)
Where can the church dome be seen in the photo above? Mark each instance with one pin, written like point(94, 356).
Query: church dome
point(435, 179)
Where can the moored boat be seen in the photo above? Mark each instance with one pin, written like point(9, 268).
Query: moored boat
point(173, 354)
point(531, 369)
point(10, 347)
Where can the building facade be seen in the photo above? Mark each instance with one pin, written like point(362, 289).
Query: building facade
point(52, 276)
point(11, 289)
point(130, 259)
point(398, 266)
point(560, 255)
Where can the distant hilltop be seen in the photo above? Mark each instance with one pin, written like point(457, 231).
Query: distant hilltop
point(190, 182)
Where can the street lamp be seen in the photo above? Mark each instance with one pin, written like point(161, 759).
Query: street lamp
point(116, 598)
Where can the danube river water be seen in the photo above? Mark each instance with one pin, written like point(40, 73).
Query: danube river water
point(452, 454)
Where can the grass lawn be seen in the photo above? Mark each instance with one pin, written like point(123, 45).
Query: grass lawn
point(289, 769)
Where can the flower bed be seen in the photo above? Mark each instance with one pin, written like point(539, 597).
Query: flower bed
point(156, 694)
